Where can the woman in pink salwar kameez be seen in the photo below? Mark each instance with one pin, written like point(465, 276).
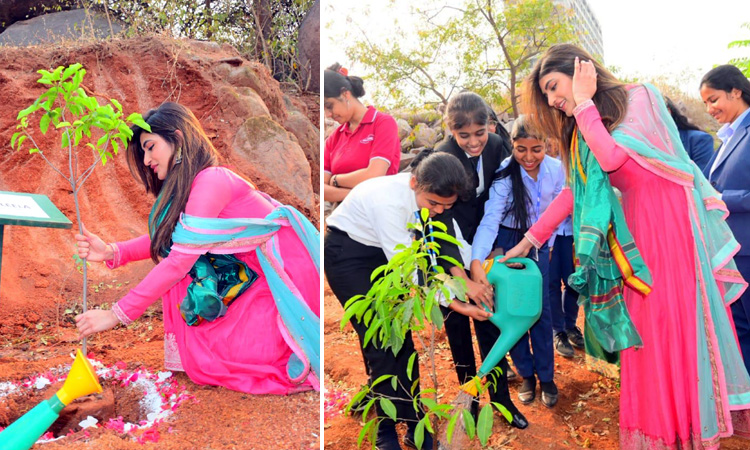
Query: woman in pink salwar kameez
point(683, 383)
point(246, 348)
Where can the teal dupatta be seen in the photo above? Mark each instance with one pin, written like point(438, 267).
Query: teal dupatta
point(299, 325)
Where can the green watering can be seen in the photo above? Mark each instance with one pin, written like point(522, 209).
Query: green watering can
point(518, 305)
point(23, 433)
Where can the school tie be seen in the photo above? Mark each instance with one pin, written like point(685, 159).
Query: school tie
point(474, 160)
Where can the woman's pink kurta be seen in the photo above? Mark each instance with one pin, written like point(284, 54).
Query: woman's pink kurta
point(659, 404)
point(244, 350)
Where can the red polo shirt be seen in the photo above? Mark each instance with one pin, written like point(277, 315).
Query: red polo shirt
point(375, 137)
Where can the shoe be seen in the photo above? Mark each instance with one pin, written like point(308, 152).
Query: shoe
point(576, 338)
point(519, 421)
point(562, 346)
point(511, 374)
point(527, 393)
point(387, 438)
point(549, 393)
point(409, 437)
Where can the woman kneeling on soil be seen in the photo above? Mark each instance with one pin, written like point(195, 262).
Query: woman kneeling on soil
point(210, 225)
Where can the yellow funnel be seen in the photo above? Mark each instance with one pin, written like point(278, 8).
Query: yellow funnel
point(24, 432)
point(81, 381)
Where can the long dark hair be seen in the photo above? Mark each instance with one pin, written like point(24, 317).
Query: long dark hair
point(519, 206)
point(196, 152)
point(440, 173)
point(681, 120)
point(336, 81)
point(611, 97)
point(727, 77)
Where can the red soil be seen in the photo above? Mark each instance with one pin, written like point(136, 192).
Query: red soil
point(586, 415)
point(40, 290)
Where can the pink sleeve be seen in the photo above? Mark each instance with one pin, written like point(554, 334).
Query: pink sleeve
point(135, 249)
point(607, 152)
point(211, 192)
point(560, 208)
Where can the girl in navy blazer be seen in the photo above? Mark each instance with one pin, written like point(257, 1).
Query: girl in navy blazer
point(726, 93)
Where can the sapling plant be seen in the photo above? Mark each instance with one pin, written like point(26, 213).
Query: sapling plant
point(82, 125)
point(405, 296)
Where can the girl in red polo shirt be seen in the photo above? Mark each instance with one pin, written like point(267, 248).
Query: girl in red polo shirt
point(365, 146)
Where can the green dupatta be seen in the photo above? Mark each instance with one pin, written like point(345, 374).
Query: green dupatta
point(606, 256)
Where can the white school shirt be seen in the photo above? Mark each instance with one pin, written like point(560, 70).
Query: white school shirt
point(376, 212)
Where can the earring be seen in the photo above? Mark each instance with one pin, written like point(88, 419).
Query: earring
point(178, 157)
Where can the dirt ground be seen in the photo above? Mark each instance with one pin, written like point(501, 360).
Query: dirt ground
point(586, 415)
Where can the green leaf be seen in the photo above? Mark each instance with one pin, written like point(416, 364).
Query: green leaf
point(381, 379)
point(364, 430)
point(437, 316)
point(13, 139)
point(452, 425)
point(117, 104)
point(394, 383)
point(70, 71)
point(141, 123)
point(33, 150)
point(57, 73)
point(419, 433)
point(425, 213)
point(65, 141)
point(410, 364)
point(504, 411)
point(388, 408)
point(484, 424)
point(62, 124)
point(469, 423)
point(25, 112)
point(44, 123)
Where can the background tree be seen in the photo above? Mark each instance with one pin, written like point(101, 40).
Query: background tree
point(486, 46)
point(262, 30)
point(742, 63)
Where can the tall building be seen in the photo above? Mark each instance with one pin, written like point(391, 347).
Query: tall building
point(586, 26)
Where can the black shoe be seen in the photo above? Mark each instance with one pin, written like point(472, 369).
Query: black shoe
point(549, 393)
point(527, 393)
point(562, 346)
point(519, 421)
point(387, 438)
point(409, 437)
point(576, 338)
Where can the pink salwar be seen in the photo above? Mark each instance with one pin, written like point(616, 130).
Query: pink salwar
point(243, 350)
point(659, 404)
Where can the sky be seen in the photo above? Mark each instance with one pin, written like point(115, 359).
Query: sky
point(677, 39)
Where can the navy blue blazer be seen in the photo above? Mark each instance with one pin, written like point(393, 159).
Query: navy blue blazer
point(732, 179)
point(699, 146)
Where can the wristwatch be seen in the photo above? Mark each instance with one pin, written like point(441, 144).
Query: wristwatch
point(334, 182)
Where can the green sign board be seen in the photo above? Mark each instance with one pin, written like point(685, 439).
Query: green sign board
point(30, 210)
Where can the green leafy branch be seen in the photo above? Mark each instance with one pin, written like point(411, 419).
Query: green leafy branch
point(66, 108)
point(398, 304)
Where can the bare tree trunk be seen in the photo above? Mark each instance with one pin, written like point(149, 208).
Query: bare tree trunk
point(209, 18)
point(262, 13)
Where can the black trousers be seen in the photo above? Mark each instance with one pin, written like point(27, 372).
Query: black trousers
point(458, 330)
point(348, 266)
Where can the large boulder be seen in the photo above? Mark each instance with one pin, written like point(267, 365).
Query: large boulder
point(267, 145)
point(308, 49)
point(55, 27)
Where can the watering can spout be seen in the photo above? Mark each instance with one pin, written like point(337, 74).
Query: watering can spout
point(518, 304)
point(24, 432)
